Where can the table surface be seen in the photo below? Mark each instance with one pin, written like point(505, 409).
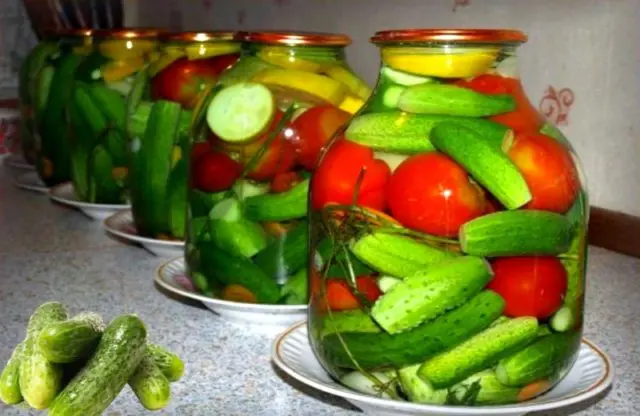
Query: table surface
point(49, 252)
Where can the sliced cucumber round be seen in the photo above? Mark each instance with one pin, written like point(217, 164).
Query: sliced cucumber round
point(241, 112)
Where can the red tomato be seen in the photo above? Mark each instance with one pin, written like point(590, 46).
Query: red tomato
point(283, 182)
point(214, 172)
point(183, 79)
point(200, 148)
point(339, 172)
point(313, 129)
point(530, 286)
point(432, 193)
point(340, 297)
point(548, 169)
point(524, 118)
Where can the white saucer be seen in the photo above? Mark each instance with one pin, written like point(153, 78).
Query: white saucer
point(65, 194)
point(267, 318)
point(30, 181)
point(121, 224)
point(591, 374)
point(17, 161)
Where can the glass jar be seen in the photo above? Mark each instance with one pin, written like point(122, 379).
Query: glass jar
point(448, 230)
point(257, 135)
point(54, 85)
point(30, 68)
point(159, 116)
point(99, 151)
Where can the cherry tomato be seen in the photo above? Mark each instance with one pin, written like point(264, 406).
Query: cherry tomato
point(524, 118)
point(432, 193)
point(340, 297)
point(530, 286)
point(313, 129)
point(548, 169)
point(345, 165)
point(183, 79)
point(200, 148)
point(283, 182)
point(214, 172)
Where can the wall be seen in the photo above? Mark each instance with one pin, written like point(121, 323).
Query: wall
point(16, 39)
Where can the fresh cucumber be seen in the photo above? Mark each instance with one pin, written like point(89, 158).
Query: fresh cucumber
point(229, 269)
point(395, 254)
point(44, 80)
point(241, 111)
point(119, 352)
point(479, 352)
point(40, 380)
point(286, 254)
point(69, 341)
point(242, 238)
point(177, 198)
point(515, 233)
point(296, 288)
point(137, 120)
point(170, 364)
point(228, 209)
point(418, 390)
point(284, 206)
point(10, 377)
point(349, 321)
point(563, 319)
point(538, 361)
point(377, 383)
point(246, 189)
point(103, 187)
point(244, 70)
point(482, 388)
point(404, 133)
point(201, 203)
point(453, 100)
point(425, 295)
point(375, 350)
point(404, 78)
point(150, 385)
point(486, 164)
point(110, 103)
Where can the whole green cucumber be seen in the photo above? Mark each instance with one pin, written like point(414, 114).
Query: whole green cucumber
point(375, 350)
point(516, 233)
point(10, 377)
point(418, 390)
point(479, 352)
point(150, 385)
point(284, 206)
point(426, 295)
point(349, 321)
point(69, 341)
point(285, 254)
point(488, 390)
point(487, 164)
point(119, 352)
point(40, 380)
point(169, 363)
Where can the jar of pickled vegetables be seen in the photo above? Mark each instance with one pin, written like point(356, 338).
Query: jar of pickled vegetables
point(448, 227)
point(257, 135)
point(97, 108)
point(54, 84)
point(29, 70)
point(159, 115)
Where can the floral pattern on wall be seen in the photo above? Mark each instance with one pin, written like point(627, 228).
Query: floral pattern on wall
point(556, 104)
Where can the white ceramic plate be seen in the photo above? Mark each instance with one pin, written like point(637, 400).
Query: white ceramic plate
point(16, 160)
point(65, 194)
point(121, 224)
point(30, 181)
point(591, 374)
point(265, 318)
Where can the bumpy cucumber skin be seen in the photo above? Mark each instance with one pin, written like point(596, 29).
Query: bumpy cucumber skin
point(538, 361)
point(169, 363)
point(71, 340)
point(10, 377)
point(397, 255)
point(453, 100)
point(284, 206)
point(426, 295)
point(40, 380)
point(418, 390)
point(516, 233)
point(487, 164)
point(286, 254)
point(491, 391)
point(150, 385)
point(91, 391)
point(349, 321)
point(379, 350)
point(241, 238)
point(404, 133)
point(479, 352)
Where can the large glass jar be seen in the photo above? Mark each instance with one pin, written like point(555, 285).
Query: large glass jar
point(30, 68)
point(99, 152)
point(54, 85)
point(159, 116)
point(257, 135)
point(448, 229)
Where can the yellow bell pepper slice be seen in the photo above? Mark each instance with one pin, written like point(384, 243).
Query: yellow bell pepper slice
point(351, 104)
point(348, 78)
point(122, 49)
point(316, 85)
point(209, 50)
point(283, 57)
point(164, 59)
point(118, 70)
point(437, 62)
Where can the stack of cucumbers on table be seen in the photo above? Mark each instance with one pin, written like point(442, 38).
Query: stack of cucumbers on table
point(75, 365)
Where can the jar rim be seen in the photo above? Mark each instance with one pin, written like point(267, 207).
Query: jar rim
point(64, 32)
point(202, 36)
point(297, 38)
point(128, 33)
point(450, 35)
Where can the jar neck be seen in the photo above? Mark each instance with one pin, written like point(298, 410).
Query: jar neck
point(317, 53)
